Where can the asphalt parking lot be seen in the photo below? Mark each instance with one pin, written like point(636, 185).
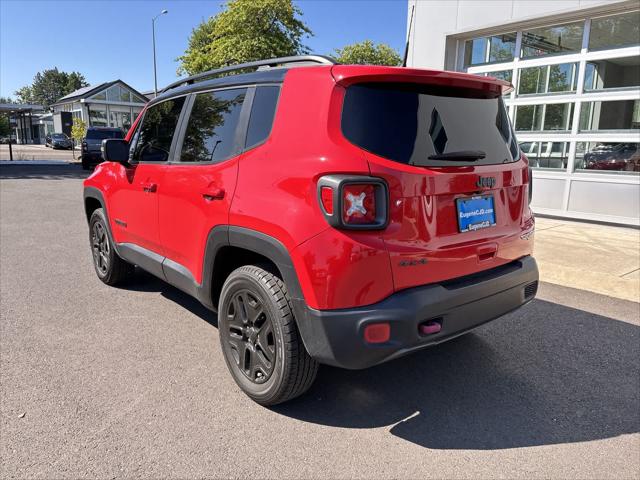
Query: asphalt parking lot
point(130, 382)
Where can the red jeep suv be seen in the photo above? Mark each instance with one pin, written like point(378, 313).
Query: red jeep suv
point(328, 213)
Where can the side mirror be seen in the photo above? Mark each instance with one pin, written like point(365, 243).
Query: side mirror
point(115, 150)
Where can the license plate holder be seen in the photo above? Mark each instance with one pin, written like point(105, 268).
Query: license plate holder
point(475, 213)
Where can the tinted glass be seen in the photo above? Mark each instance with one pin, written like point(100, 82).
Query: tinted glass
point(499, 48)
point(546, 154)
point(554, 116)
point(619, 73)
point(153, 138)
point(617, 31)
point(211, 131)
point(611, 115)
point(102, 134)
point(609, 157)
point(552, 40)
point(408, 123)
point(262, 112)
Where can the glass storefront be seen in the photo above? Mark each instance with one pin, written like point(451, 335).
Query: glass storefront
point(578, 81)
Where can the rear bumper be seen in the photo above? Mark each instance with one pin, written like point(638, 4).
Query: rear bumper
point(335, 337)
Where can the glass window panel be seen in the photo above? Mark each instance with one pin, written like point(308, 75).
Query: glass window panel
point(135, 98)
point(618, 73)
point(498, 48)
point(475, 51)
point(113, 93)
point(610, 115)
point(100, 96)
point(562, 77)
point(263, 111)
point(550, 117)
point(532, 80)
point(616, 31)
point(552, 40)
point(558, 116)
point(97, 116)
point(554, 155)
point(124, 95)
point(608, 157)
point(154, 137)
point(211, 131)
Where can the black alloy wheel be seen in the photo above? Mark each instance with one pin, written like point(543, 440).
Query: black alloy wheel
point(250, 336)
point(100, 247)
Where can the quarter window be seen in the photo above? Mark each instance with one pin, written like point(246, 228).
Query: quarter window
point(262, 112)
point(211, 131)
point(153, 139)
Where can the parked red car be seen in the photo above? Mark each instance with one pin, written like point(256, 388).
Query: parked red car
point(335, 214)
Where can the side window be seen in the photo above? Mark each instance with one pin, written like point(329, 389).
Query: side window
point(262, 112)
point(153, 137)
point(211, 131)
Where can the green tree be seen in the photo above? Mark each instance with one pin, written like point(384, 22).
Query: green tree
point(49, 86)
point(78, 131)
point(5, 127)
point(246, 30)
point(7, 100)
point(368, 53)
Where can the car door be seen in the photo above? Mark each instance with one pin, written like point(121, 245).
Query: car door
point(134, 203)
point(199, 186)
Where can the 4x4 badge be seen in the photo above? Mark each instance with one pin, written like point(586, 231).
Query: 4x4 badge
point(486, 182)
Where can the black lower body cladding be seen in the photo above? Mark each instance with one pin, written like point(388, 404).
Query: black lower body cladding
point(335, 337)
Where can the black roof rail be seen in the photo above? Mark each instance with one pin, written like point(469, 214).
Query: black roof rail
point(269, 63)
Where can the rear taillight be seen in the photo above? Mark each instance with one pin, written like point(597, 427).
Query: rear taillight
point(354, 202)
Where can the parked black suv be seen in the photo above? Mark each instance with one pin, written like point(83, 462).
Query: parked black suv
point(91, 143)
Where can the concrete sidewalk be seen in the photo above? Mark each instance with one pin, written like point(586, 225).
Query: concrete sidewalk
point(597, 258)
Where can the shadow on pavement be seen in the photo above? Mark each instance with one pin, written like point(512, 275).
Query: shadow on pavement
point(42, 172)
point(546, 374)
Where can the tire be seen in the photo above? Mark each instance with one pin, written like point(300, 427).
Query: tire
point(110, 268)
point(255, 316)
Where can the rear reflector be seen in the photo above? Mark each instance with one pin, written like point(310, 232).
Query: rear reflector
point(377, 333)
point(326, 195)
point(358, 204)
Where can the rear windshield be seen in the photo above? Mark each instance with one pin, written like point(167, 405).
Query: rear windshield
point(59, 136)
point(409, 123)
point(102, 134)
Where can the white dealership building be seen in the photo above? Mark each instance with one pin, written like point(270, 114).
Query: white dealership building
point(575, 65)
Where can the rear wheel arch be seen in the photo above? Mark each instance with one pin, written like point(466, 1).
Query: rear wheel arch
point(229, 247)
point(93, 199)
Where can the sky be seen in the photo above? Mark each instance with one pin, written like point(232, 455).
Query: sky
point(108, 40)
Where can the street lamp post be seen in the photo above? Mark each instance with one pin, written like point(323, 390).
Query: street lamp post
point(153, 33)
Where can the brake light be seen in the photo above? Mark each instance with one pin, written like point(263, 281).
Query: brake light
point(359, 202)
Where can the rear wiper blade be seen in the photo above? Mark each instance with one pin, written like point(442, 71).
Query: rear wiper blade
point(462, 155)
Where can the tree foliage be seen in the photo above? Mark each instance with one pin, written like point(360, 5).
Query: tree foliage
point(7, 100)
point(49, 86)
point(246, 30)
point(5, 127)
point(368, 53)
point(78, 129)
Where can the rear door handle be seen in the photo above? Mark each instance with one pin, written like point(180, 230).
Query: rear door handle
point(150, 187)
point(213, 194)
